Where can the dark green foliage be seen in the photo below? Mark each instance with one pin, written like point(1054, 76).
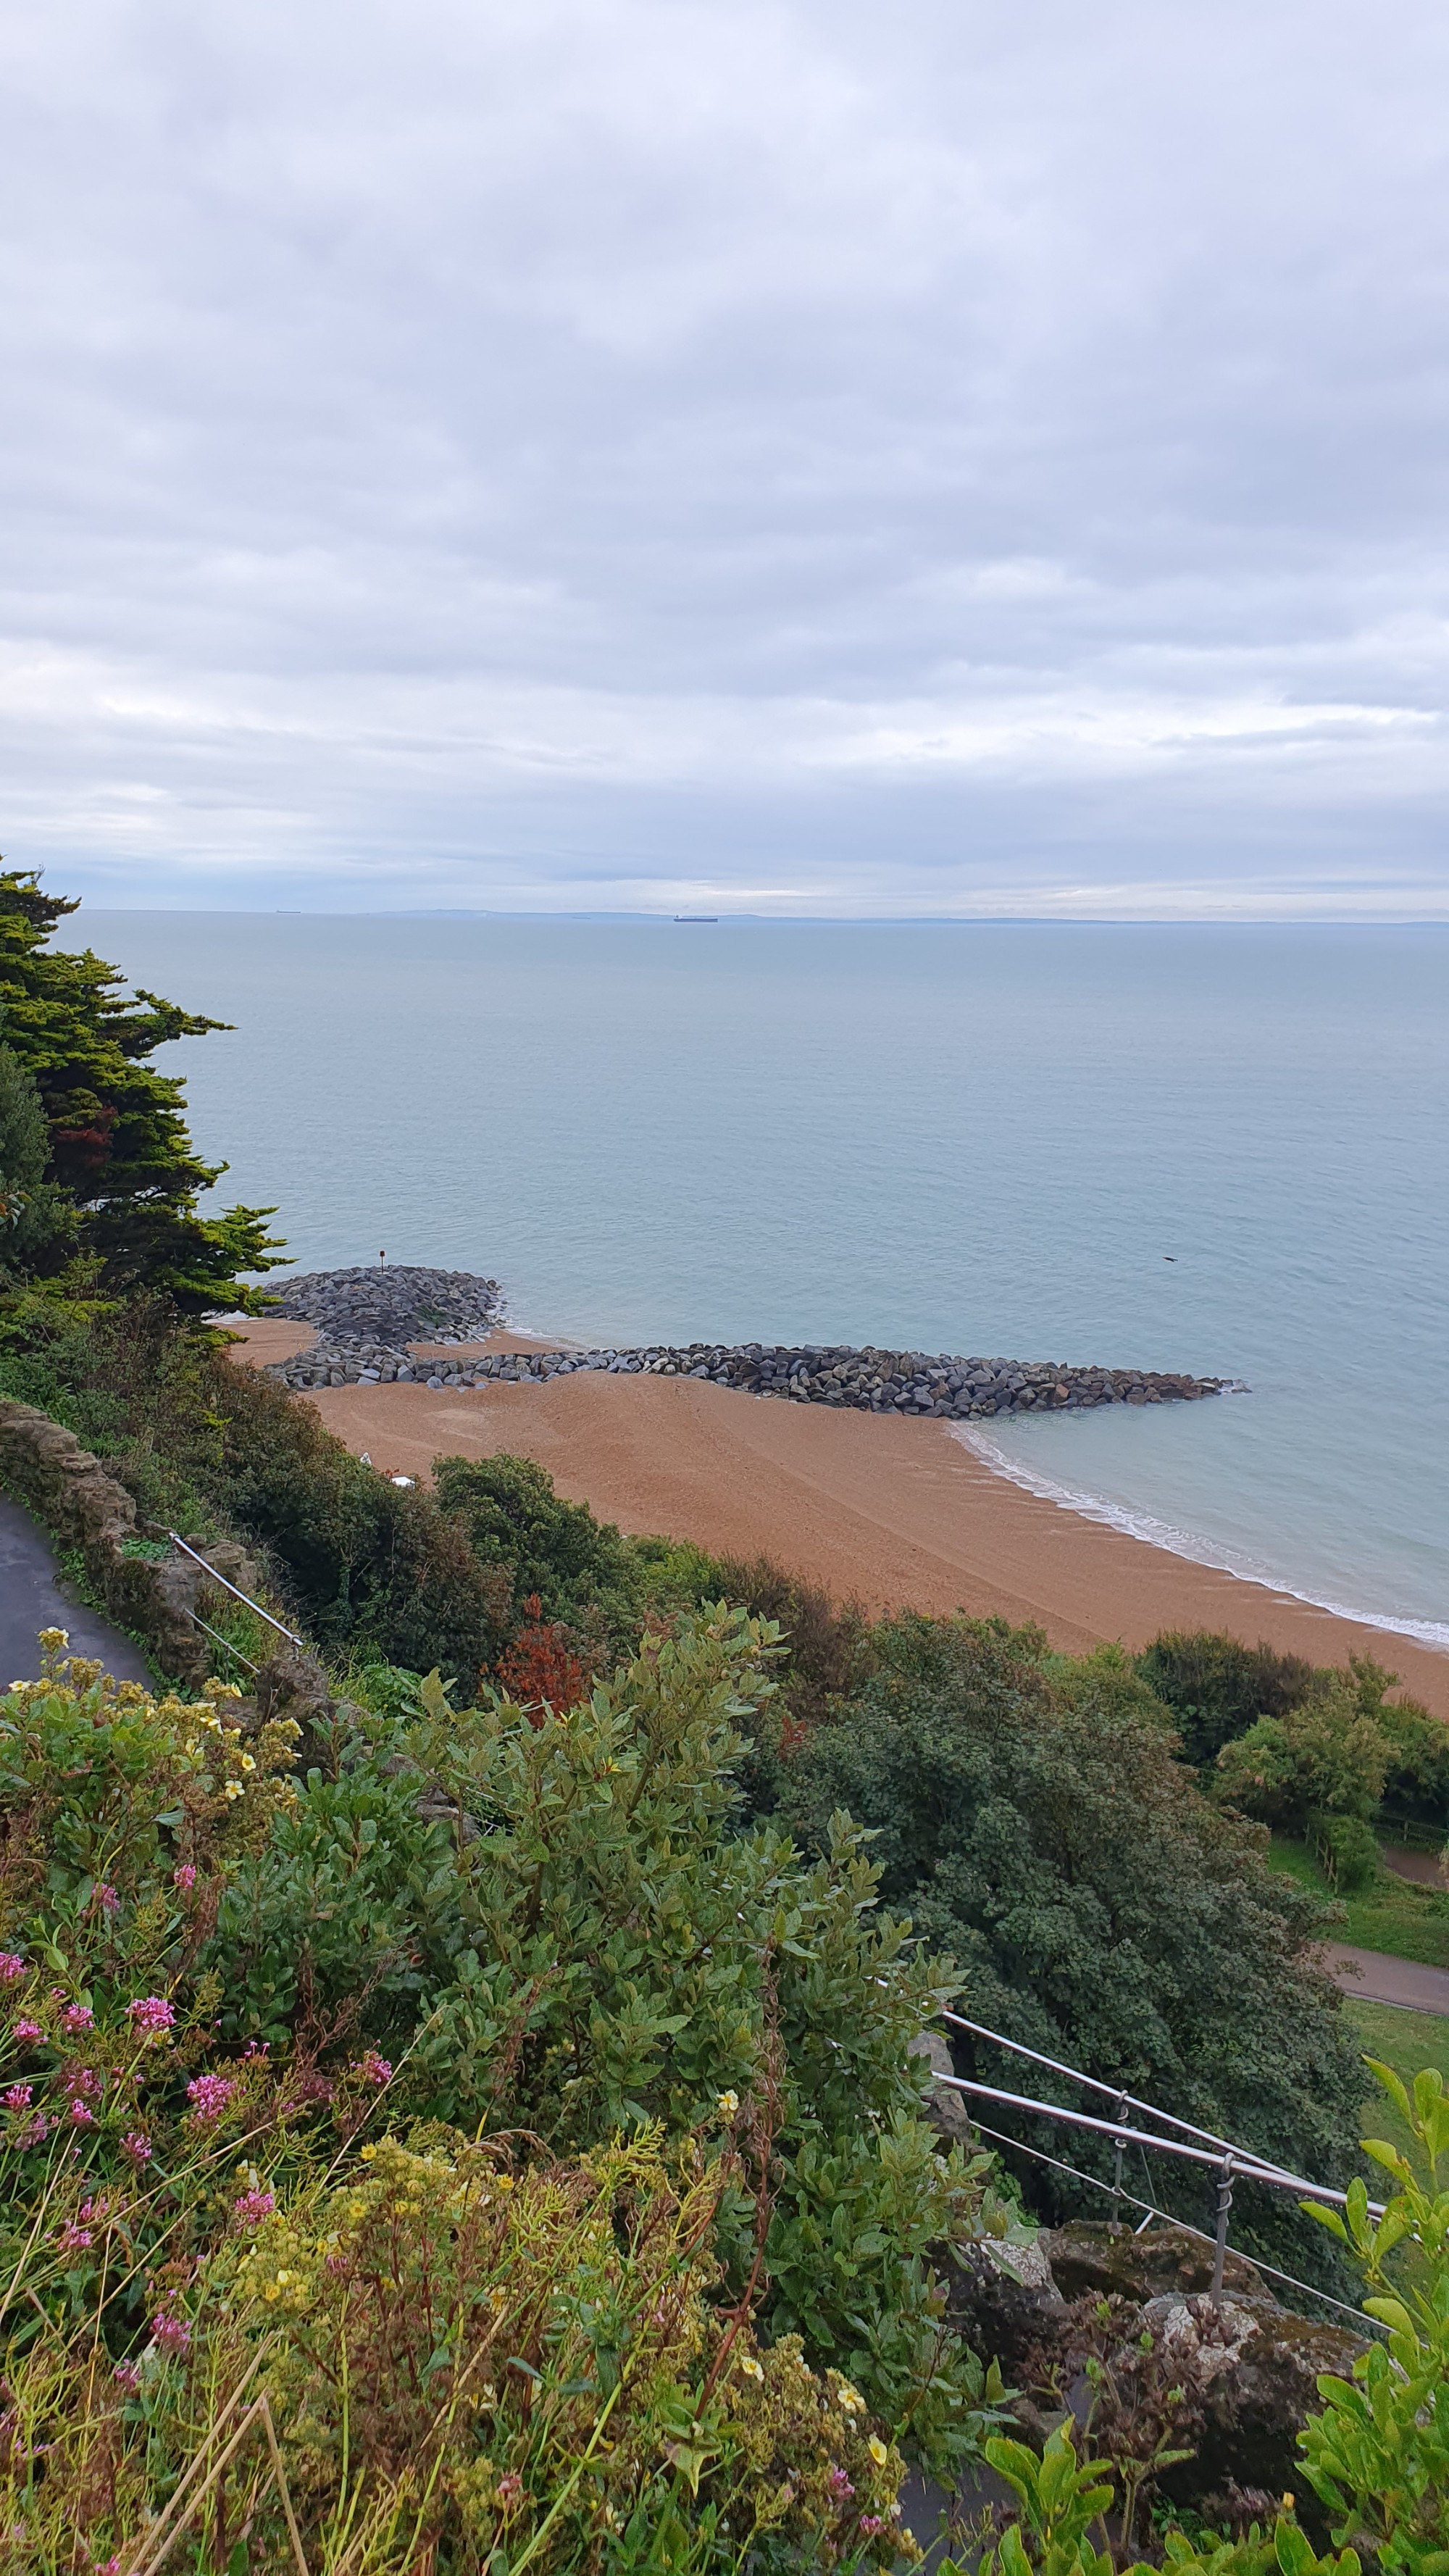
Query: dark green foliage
point(1037, 1827)
point(377, 1568)
point(118, 1147)
point(1345, 1850)
point(828, 1641)
point(1326, 1756)
point(35, 1220)
point(372, 1571)
point(1215, 1686)
point(578, 1569)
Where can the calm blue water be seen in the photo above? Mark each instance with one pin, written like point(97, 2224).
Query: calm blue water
point(980, 1139)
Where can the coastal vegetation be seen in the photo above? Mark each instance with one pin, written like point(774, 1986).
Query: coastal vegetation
point(624, 2257)
point(459, 2103)
point(120, 1175)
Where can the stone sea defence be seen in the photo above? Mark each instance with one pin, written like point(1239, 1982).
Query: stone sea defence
point(355, 1349)
point(387, 1309)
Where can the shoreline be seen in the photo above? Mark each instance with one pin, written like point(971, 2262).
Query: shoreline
point(899, 1513)
point(1193, 1549)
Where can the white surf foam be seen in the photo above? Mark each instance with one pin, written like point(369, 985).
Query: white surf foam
point(1180, 1542)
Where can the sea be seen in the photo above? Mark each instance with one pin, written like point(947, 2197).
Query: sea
point(1223, 1149)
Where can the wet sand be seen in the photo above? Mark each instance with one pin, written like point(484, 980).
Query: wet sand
point(898, 1514)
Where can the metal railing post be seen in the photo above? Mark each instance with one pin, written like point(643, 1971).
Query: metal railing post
point(1220, 2241)
point(1121, 2150)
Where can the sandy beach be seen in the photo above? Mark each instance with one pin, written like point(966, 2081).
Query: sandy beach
point(895, 1513)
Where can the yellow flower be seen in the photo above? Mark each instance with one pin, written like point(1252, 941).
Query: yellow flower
point(505, 2182)
point(367, 2154)
point(727, 2104)
point(234, 1789)
point(748, 2363)
point(878, 2451)
point(247, 1762)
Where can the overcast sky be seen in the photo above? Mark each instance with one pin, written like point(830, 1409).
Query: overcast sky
point(774, 455)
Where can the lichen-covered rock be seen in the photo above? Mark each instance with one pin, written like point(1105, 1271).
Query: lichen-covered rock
point(1001, 2298)
point(943, 2107)
point(1106, 2259)
point(1248, 2369)
point(1254, 2368)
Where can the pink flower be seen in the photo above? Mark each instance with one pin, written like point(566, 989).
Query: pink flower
point(209, 2095)
point(256, 2048)
point(510, 2488)
point(171, 2332)
point(35, 2131)
point(83, 2080)
point(185, 1876)
point(71, 2239)
point(840, 2484)
point(152, 2015)
point(137, 2146)
point(78, 2017)
point(107, 1897)
point(870, 2524)
point(24, 2029)
point(254, 2206)
point(372, 2068)
point(109, 2566)
point(17, 2098)
point(82, 2114)
point(127, 2375)
point(11, 1967)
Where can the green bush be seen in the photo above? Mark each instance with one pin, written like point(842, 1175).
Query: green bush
point(547, 1926)
point(1035, 1824)
point(578, 1568)
point(1216, 1687)
point(1325, 1757)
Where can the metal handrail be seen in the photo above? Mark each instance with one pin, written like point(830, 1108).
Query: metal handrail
point(1113, 2092)
point(194, 1553)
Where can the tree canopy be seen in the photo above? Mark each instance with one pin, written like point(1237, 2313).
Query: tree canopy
point(118, 1148)
point(1031, 1815)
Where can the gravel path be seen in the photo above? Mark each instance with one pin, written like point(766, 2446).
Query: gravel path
point(1378, 1979)
point(33, 1596)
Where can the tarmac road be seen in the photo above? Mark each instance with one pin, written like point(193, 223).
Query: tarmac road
point(33, 1596)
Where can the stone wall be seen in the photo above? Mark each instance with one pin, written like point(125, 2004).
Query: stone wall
point(69, 1491)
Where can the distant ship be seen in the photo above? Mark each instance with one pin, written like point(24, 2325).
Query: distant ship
point(696, 916)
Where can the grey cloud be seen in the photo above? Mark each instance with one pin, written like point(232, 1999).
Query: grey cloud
point(600, 450)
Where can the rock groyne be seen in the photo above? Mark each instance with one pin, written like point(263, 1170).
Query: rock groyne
point(377, 1308)
point(875, 1381)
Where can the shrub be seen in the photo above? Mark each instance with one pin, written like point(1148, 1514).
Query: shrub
point(540, 1923)
point(1102, 1911)
point(1215, 1686)
point(440, 2360)
point(1323, 1757)
point(580, 1570)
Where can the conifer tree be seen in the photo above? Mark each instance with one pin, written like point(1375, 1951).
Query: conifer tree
point(118, 1152)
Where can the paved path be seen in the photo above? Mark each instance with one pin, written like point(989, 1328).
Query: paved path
point(32, 1596)
point(1378, 1979)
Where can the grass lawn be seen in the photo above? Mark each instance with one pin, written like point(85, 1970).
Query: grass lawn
point(1406, 2041)
point(1393, 1915)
